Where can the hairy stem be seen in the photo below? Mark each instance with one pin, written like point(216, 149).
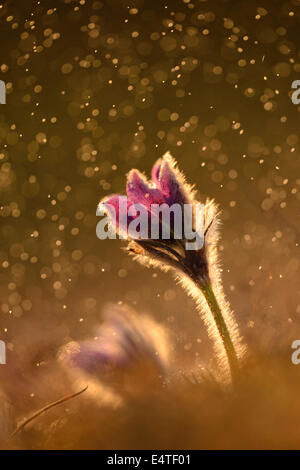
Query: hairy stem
point(223, 330)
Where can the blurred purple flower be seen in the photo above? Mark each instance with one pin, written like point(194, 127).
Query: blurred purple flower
point(124, 342)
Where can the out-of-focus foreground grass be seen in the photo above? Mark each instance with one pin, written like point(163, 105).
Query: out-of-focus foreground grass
point(262, 413)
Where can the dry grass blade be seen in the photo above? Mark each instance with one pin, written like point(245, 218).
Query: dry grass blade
point(46, 408)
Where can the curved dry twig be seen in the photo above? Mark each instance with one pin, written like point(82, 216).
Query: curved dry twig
point(44, 409)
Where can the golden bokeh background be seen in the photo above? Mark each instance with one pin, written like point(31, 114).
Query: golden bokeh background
point(95, 88)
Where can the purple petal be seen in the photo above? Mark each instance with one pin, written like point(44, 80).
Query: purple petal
point(116, 207)
point(170, 185)
point(93, 356)
point(155, 172)
point(139, 192)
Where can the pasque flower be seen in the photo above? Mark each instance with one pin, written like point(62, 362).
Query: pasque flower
point(124, 342)
point(195, 267)
point(148, 200)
